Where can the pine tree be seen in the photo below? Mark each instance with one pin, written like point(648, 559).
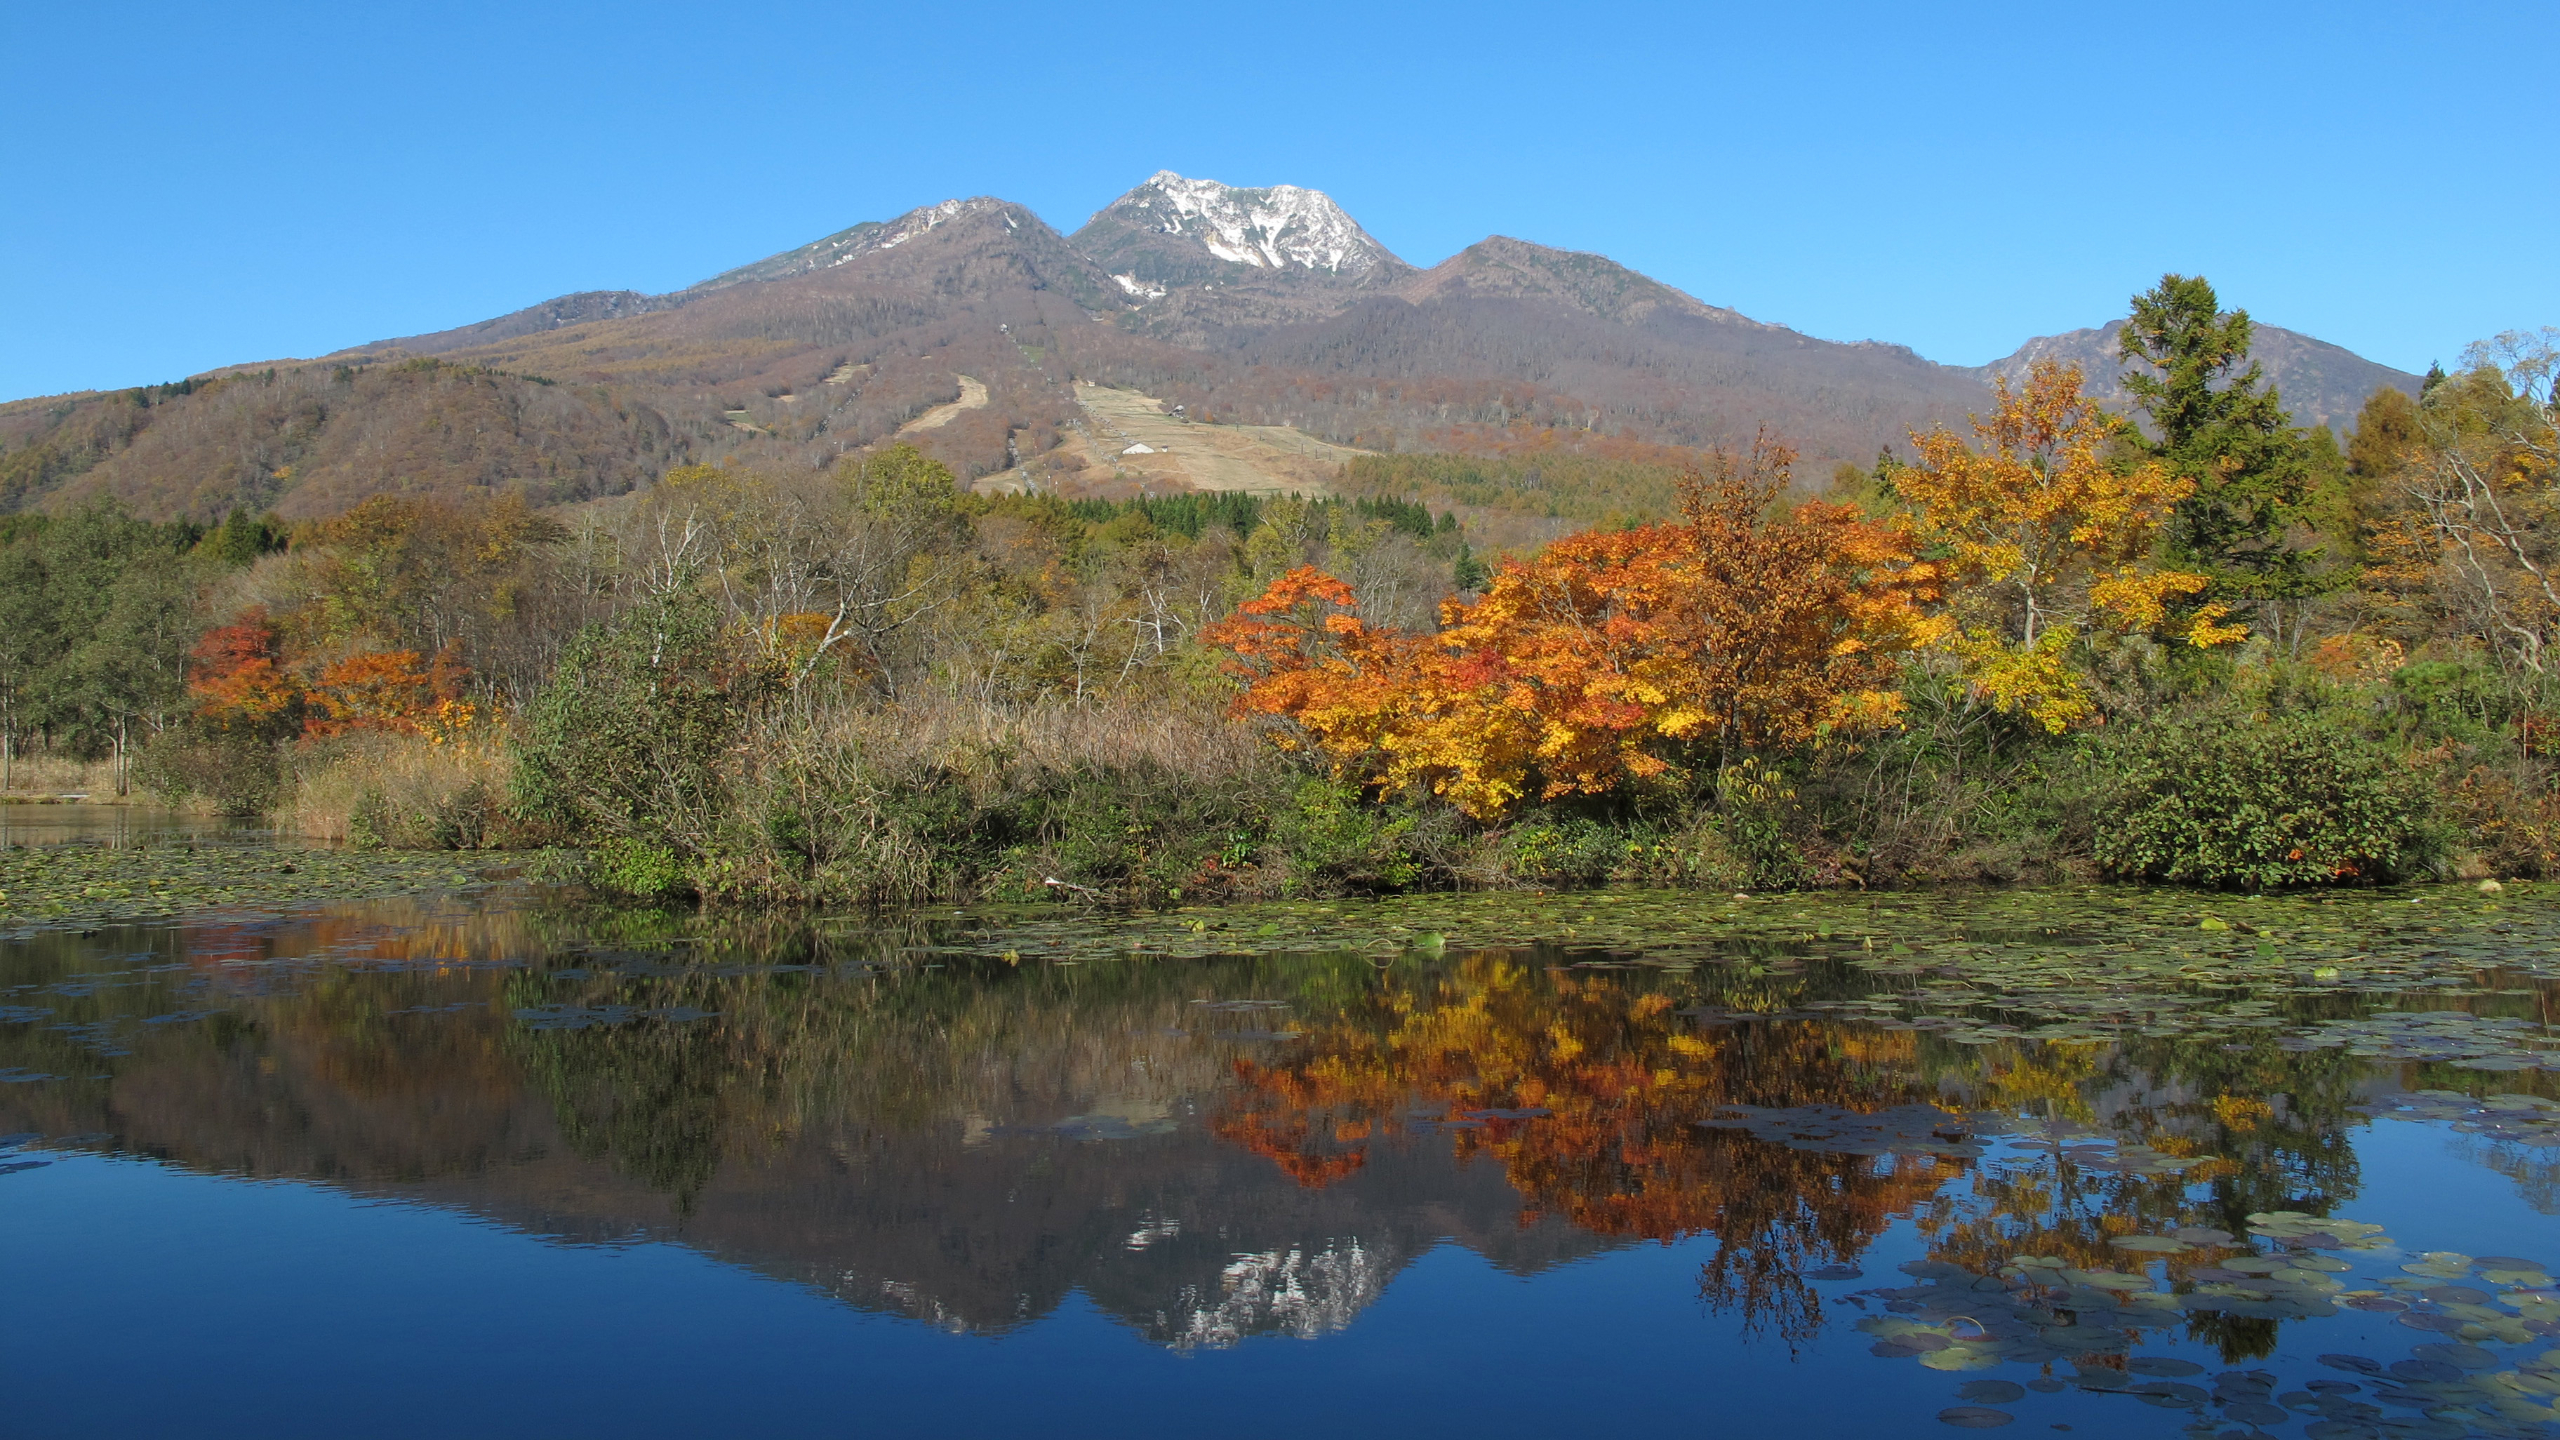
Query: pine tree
point(2221, 426)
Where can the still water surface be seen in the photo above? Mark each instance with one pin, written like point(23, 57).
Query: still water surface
point(503, 1163)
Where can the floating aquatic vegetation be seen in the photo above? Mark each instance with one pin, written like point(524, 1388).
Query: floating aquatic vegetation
point(1095, 1127)
point(2456, 1037)
point(2037, 1310)
point(2529, 1119)
point(2297, 1228)
point(1933, 1131)
point(63, 885)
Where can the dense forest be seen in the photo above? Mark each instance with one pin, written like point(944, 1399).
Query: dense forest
point(2193, 643)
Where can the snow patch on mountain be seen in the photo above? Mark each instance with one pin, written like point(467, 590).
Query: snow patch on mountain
point(908, 226)
point(1273, 228)
point(869, 238)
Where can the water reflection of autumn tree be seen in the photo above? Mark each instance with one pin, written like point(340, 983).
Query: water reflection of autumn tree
point(2278, 1117)
point(1624, 1080)
point(2269, 1126)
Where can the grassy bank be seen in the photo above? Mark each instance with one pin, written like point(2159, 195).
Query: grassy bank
point(2265, 774)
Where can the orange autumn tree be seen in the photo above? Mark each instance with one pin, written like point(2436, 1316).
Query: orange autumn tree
point(2047, 538)
point(1612, 655)
point(390, 690)
point(236, 674)
point(243, 680)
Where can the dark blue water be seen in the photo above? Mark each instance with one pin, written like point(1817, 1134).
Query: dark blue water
point(370, 1181)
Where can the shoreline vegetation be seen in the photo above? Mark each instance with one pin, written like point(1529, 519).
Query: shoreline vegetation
point(2196, 645)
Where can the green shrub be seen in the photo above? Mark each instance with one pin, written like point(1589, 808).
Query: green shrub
point(1756, 811)
point(1564, 850)
point(232, 772)
point(625, 738)
point(636, 867)
point(1140, 831)
point(1335, 839)
point(2461, 699)
point(2219, 801)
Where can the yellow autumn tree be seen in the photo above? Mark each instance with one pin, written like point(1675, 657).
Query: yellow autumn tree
point(2046, 538)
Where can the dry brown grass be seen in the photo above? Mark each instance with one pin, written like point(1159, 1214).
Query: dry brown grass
point(399, 790)
point(1181, 737)
point(40, 775)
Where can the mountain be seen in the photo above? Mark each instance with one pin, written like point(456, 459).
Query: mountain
point(1204, 261)
point(2322, 384)
point(847, 340)
point(553, 314)
point(1576, 341)
point(1172, 231)
point(965, 328)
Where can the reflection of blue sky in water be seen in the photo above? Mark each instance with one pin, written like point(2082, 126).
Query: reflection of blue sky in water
point(139, 1293)
point(1046, 1238)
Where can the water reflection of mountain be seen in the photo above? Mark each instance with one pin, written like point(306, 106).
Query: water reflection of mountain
point(969, 1157)
point(1206, 1148)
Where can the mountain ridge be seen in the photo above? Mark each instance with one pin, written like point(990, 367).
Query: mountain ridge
point(2322, 384)
point(1267, 306)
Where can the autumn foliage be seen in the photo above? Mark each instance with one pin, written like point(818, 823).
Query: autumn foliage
point(2047, 537)
point(242, 680)
point(388, 690)
point(1610, 656)
point(238, 676)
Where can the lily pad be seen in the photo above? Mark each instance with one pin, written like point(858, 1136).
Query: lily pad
point(1974, 1417)
point(2467, 1357)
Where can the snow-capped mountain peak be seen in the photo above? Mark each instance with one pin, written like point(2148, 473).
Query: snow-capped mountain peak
point(1280, 227)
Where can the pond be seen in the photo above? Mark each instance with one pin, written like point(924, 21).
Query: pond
point(118, 826)
point(486, 1158)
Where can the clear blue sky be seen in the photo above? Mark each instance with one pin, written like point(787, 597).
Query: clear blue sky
point(197, 185)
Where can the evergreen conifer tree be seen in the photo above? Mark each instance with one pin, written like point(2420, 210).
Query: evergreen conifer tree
point(2216, 421)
